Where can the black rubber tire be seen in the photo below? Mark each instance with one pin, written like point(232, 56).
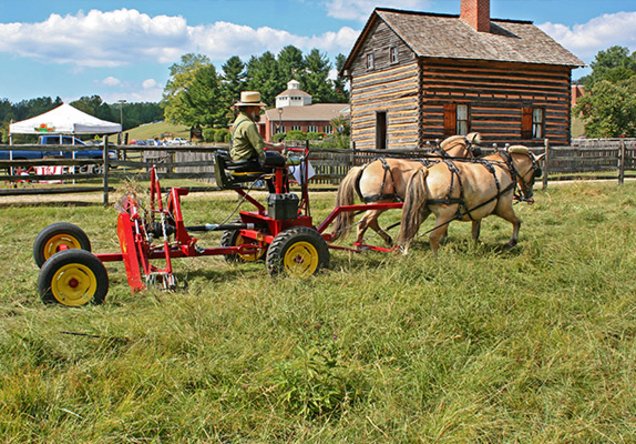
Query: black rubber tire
point(40, 255)
point(91, 268)
point(289, 239)
point(228, 239)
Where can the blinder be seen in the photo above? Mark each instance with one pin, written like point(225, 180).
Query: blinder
point(538, 172)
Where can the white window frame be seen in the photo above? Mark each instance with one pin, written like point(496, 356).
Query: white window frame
point(462, 124)
point(295, 127)
point(370, 61)
point(328, 129)
point(394, 55)
point(312, 128)
point(538, 123)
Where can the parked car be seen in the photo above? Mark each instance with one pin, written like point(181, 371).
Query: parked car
point(55, 139)
point(178, 141)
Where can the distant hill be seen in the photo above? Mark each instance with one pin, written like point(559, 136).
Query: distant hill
point(158, 130)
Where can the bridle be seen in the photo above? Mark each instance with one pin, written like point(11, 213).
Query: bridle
point(525, 193)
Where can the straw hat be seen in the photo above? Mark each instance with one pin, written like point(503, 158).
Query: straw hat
point(250, 98)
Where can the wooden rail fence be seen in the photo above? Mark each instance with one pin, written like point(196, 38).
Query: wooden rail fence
point(588, 158)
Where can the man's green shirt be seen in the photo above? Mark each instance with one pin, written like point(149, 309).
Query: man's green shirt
point(247, 143)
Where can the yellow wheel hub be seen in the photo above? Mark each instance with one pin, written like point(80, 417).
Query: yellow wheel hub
point(74, 285)
point(55, 244)
point(248, 257)
point(301, 259)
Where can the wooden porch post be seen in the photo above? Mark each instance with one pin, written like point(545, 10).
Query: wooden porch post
point(621, 162)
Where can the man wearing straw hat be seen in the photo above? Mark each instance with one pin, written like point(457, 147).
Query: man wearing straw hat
point(247, 143)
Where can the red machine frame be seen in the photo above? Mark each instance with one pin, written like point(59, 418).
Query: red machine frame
point(257, 227)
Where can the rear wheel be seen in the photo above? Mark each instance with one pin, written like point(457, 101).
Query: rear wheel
point(57, 237)
point(298, 252)
point(73, 278)
point(233, 238)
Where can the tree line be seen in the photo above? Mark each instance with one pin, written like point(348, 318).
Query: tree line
point(198, 96)
point(134, 114)
point(608, 106)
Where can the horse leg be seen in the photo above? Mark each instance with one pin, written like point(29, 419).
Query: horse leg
point(375, 226)
point(508, 214)
point(363, 225)
point(476, 229)
point(438, 233)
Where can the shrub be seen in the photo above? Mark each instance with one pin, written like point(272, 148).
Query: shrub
point(209, 134)
point(221, 135)
point(296, 135)
point(278, 137)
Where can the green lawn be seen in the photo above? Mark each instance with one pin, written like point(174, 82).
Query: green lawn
point(535, 344)
point(157, 130)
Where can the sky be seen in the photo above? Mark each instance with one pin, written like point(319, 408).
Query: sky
point(122, 50)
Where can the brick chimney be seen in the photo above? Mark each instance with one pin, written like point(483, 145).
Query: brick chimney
point(477, 14)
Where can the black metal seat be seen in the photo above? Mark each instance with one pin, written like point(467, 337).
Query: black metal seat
point(230, 174)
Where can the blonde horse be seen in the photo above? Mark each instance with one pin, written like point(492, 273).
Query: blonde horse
point(384, 180)
point(469, 191)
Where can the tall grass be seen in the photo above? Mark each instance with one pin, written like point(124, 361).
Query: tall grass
point(533, 344)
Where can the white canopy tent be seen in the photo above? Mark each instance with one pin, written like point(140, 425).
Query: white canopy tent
point(64, 120)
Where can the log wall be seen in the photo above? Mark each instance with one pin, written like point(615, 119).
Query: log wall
point(388, 87)
point(496, 94)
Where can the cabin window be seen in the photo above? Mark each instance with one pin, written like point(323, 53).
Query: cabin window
point(328, 129)
point(295, 127)
point(538, 120)
point(280, 129)
point(462, 119)
point(370, 61)
point(312, 128)
point(380, 131)
point(532, 123)
point(393, 54)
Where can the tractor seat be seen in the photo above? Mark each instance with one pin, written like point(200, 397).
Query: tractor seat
point(230, 174)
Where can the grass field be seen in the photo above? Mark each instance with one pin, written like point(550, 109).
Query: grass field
point(155, 130)
point(534, 344)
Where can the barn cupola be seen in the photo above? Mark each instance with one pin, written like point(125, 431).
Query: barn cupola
point(477, 14)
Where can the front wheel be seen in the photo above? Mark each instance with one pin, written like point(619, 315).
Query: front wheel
point(298, 252)
point(57, 237)
point(73, 278)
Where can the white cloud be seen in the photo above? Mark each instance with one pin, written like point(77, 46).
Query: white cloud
point(599, 33)
point(149, 84)
point(126, 36)
point(361, 9)
point(111, 81)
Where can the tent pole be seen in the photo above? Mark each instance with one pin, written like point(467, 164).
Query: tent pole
point(105, 168)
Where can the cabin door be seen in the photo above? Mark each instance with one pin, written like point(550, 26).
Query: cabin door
point(380, 131)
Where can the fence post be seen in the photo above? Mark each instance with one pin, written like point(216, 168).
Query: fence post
point(105, 171)
point(621, 162)
point(546, 163)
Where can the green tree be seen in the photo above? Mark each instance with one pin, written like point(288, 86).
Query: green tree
point(94, 106)
point(614, 65)
point(182, 75)
point(291, 64)
point(232, 83)
point(315, 79)
point(203, 99)
point(262, 76)
point(609, 105)
point(341, 94)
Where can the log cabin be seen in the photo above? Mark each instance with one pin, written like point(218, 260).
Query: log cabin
point(417, 77)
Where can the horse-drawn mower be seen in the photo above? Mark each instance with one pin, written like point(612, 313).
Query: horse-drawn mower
point(283, 233)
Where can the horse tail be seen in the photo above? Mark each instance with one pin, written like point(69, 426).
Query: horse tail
point(414, 201)
point(346, 196)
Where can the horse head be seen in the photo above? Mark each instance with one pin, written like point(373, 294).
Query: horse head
point(462, 146)
point(525, 167)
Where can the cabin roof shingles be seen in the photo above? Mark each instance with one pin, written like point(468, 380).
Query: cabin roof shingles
point(447, 36)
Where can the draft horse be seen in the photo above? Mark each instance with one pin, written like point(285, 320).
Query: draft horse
point(385, 180)
point(469, 191)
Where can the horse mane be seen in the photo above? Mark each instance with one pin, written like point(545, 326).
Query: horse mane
point(474, 138)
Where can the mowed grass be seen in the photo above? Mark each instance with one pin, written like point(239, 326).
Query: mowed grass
point(156, 130)
point(533, 344)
